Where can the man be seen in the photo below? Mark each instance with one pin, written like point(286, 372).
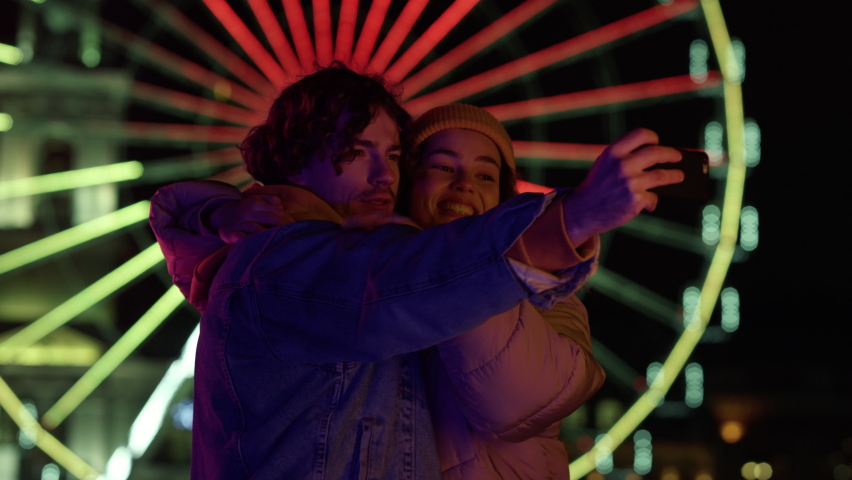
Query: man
point(307, 364)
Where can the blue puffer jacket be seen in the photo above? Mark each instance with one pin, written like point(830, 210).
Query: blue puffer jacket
point(306, 363)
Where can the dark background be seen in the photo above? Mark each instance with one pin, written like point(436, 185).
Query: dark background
point(797, 283)
point(792, 349)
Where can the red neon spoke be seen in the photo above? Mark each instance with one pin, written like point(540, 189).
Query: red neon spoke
point(234, 176)
point(346, 30)
point(369, 33)
point(396, 35)
point(466, 49)
point(434, 34)
point(525, 187)
point(557, 151)
point(272, 30)
point(220, 157)
point(322, 31)
point(193, 165)
point(180, 23)
point(157, 56)
point(300, 33)
point(548, 56)
point(603, 96)
point(195, 105)
point(165, 132)
point(232, 23)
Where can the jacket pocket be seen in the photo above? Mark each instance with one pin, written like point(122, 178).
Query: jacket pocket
point(364, 447)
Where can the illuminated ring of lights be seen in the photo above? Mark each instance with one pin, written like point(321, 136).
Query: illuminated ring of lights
point(722, 256)
point(292, 62)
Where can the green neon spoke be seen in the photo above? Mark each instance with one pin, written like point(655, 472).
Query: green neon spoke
point(74, 236)
point(616, 368)
point(110, 360)
point(630, 293)
point(83, 177)
point(80, 302)
point(665, 232)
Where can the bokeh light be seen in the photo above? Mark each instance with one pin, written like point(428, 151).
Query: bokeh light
point(10, 54)
point(713, 136)
point(5, 122)
point(90, 39)
point(711, 224)
point(698, 55)
point(752, 143)
point(642, 452)
point(694, 385)
point(842, 472)
point(50, 472)
point(670, 473)
point(91, 57)
point(730, 309)
point(654, 374)
point(732, 431)
point(691, 311)
point(603, 454)
point(703, 476)
point(748, 470)
point(182, 414)
point(756, 471)
point(748, 228)
point(27, 433)
point(738, 49)
point(763, 471)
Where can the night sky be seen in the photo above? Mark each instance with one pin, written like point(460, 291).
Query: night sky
point(792, 349)
point(794, 315)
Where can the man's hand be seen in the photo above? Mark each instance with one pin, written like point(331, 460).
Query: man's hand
point(238, 218)
point(616, 189)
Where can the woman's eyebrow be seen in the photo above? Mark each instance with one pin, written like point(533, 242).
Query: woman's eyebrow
point(445, 151)
point(488, 159)
point(454, 154)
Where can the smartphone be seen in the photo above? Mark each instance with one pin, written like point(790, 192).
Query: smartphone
point(696, 183)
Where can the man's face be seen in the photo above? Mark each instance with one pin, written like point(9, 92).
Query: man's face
point(365, 191)
point(459, 175)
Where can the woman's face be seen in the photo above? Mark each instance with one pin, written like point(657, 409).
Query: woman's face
point(458, 176)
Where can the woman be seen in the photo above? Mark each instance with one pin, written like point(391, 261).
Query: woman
point(498, 392)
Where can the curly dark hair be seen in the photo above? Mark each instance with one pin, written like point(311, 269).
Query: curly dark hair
point(303, 123)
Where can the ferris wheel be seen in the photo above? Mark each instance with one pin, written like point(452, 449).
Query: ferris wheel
point(163, 91)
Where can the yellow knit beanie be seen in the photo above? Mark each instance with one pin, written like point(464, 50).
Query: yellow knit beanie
point(469, 117)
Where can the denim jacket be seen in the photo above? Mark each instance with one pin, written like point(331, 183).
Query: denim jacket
point(307, 366)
